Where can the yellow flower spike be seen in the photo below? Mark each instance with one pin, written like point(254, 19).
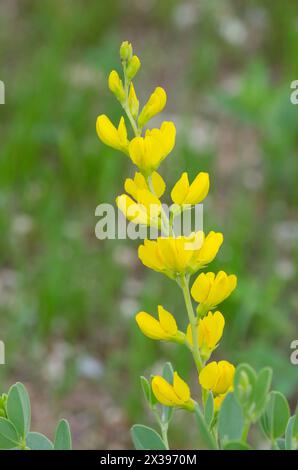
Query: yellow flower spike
point(154, 105)
point(217, 377)
point(165, 328)
point(181, 255)
point(110, 135)
point(177, 394)
point(210, 289)
point(133, 67)
point(133, 101)
point(210, 330)
point(184, 193)
point(116, 86)
point(148, 152)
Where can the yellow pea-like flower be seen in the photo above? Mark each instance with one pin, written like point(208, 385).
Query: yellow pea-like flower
point(177, 394)
point(133, 186)
point(154, 105)
point(145, 211)
point(165, 328)
point(210, 330)
point(148, 152)
point(180, 255)
point(194, 193)
point(145, 207)
point(210, 289)
point(133, 101)
point(116, 86)
point(217, 377)
point(110, 135)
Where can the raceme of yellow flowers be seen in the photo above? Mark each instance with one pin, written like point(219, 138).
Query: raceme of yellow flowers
point(178, 257)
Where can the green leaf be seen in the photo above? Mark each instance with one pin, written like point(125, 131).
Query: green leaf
point(37, 441)
point(168, 374)
point(281, 444)
point(276, 416)
point(236, 445)
point(289, 444)
point(230, 420)
point(148, 394)
point(204, 432)
point(18, 409)
point(8, 435)
point(145, 438)
point(261, 391)
point(63, 436)
point(209, 409)
point(295, 425)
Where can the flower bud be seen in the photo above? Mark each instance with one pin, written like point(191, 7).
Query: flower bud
point(133, 101)
point(116, 86)
point(133, 67)
point(125, 51)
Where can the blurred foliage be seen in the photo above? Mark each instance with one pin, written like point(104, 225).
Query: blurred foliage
point(227, 68)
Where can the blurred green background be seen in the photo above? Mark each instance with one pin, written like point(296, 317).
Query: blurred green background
point(67, 300)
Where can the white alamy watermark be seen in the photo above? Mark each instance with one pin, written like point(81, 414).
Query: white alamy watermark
point(2, 92)
point(2, 353)
point(294, 94)
point(294, 354)
point(149, 222)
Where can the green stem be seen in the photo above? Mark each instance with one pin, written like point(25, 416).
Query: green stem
point(193, 322)
point(164, 434)
point(135, 128)
point(163, 429)
point(245, 430)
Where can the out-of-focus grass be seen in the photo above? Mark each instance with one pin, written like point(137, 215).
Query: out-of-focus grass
point(227, 68)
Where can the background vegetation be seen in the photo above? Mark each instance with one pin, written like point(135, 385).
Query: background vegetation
point(67, 300)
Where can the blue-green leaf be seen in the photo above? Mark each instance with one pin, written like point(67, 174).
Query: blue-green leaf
point(18, 408)
point(230, 420)
point(37, 441)
point(276, 416)
point(205, 434)
point(236, 445)
point(9, 438)
point(145, 438)
point(63, 436)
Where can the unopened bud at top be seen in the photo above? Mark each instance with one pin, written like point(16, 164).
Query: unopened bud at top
point(126, 51)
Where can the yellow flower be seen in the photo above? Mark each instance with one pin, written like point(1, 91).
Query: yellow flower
point(181, 255)
point(116, 86)
point(218, 377)
point(154, 105)
point(145, 211)
point(184, 193)
point(210, 289)
point(148, 152)
point(177, 394)
point(109, 135)
point(210, 330)
point(133, 101)
point(165, 328)
point(145, 207)
point(132, 186)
